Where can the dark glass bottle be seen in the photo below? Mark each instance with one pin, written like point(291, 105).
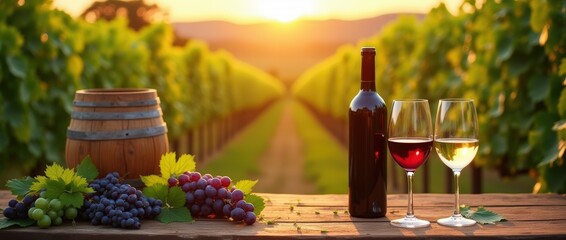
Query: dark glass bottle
point(367, 152)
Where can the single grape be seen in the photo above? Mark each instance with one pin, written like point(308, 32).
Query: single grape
point(57, 221)
point(55, 204)
point(216, 183)
point(41, 203)
point(225, 181)
point(172, 181)
point(71, 213)
point(30, 211)
point(250, 218)
point(227, 209)
point(186, 187)
point(201, 183)
point(132, 198)
point(44, 222)
point(155, 210)
point(195, 210)
point(199, 194)
point(249, 207)
point(210, 191)
point(222, 193)
point(52, 214)
point(241, 204)
point(237, 195)
point(238, 214)
point(21, 208)
point(189, 198)
point(183, 179)
point(12, 203)
point(217, 206)
point(207, 176)
point(10, 212)
point(195, 176)
point(37, 214)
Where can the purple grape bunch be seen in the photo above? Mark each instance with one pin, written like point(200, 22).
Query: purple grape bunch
point(118, 204)
point(19, 210)
point(208, 196)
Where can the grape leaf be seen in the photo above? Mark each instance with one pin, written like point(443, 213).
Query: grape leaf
point(153, 180)
point(54, 171)
point(20, 187)
point(54, 188)
point(246, 186)
point(185, 163)
point(171, 167)
point(87, 169)
point(176, 197)
point(38, 184)
point(257, 201)
point(178, 214)
point(481, 216)
point(167, 164)
point(72, 199)
point(156, 191)
point(6, 223)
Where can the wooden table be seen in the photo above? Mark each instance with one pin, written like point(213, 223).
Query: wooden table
point(288, 216)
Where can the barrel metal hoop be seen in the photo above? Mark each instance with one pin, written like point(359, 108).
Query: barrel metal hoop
point(139, 103)
point(119, 134)
point(115, 115)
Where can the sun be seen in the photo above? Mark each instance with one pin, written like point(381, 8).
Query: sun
point(283, 11)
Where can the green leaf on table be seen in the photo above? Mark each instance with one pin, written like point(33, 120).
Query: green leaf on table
point(20, 187)
point(6, 223)
point(257, 201)
point(481, 215)
point(246, 186)
point(87, 169)
point(176, 197)
point(156, 191)
point(178, 214)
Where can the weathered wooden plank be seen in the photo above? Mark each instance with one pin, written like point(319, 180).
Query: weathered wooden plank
point(424, 199)
point(325, 216)
point(340, 214)
point(321, 230)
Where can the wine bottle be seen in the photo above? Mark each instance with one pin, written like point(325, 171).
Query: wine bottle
point(367, 150)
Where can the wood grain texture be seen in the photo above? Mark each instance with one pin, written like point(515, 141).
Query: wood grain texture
point(290, 216)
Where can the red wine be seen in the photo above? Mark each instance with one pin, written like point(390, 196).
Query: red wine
point(409, 152)
point(367, 150)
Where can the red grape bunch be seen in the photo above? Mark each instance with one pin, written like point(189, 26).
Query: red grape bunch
point(207, 196)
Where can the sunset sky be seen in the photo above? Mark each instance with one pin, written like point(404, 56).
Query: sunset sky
point(253, 11)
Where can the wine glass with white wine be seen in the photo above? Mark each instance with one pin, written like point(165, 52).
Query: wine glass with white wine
point(456, 143)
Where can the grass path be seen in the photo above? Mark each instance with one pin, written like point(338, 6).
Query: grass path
point(282, 165)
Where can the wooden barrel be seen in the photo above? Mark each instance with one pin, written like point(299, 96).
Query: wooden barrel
point(121, 129)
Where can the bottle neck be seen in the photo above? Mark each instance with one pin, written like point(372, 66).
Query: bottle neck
point(368, 72)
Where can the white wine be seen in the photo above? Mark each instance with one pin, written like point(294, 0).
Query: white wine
point(456, 153)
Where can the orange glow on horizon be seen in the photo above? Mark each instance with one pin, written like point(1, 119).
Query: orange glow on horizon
point(283, 11)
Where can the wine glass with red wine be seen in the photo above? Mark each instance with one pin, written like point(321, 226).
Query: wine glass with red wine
point(410, 139)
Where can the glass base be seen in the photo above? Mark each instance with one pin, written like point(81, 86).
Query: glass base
point(410, 222)
point(456, 221)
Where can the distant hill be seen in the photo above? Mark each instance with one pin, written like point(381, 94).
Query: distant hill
point(285, 50)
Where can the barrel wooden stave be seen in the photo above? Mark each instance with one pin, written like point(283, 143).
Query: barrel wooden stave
point(131, 157)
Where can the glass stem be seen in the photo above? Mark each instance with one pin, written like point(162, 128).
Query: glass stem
point(457, 194)
point(410, 212)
